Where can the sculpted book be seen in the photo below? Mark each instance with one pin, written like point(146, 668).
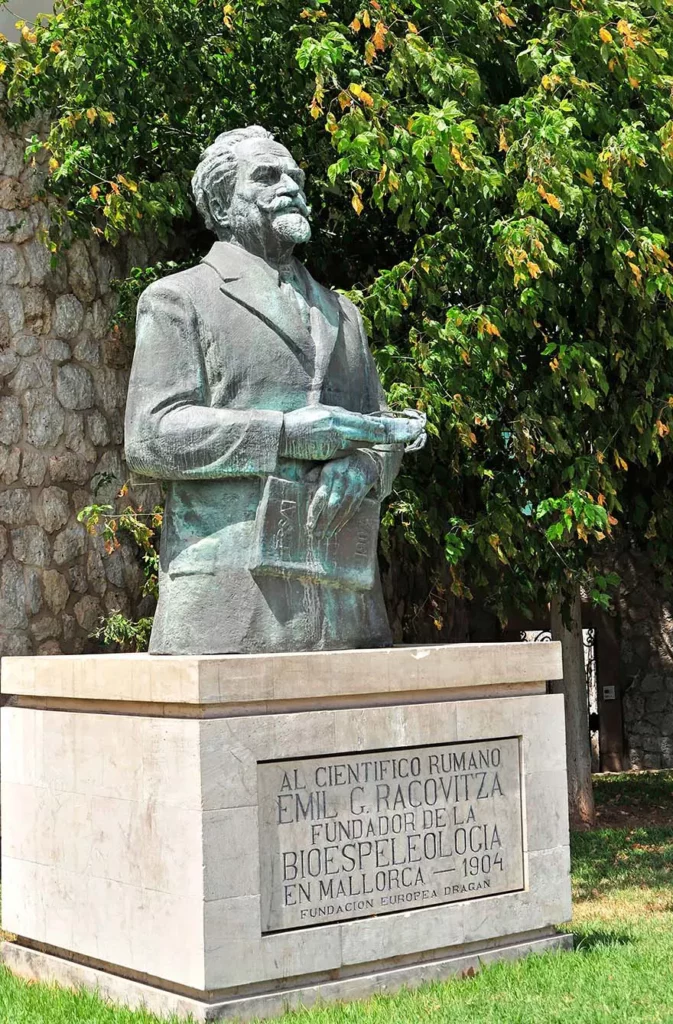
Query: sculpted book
point(283, 545)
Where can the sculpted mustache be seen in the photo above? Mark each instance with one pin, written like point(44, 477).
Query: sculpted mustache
point(288, 203)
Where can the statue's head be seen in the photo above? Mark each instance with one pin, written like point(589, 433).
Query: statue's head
point(248, 187)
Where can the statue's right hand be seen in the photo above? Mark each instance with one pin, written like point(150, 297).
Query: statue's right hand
point(320, 431)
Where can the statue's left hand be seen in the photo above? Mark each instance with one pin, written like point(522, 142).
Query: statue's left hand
point(344, 484)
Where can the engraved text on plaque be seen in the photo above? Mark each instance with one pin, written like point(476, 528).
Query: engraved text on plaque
point(352, 835)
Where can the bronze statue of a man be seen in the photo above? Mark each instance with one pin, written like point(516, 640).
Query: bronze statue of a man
point(254, 396)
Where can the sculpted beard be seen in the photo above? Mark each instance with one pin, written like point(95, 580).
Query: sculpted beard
point(290, 218)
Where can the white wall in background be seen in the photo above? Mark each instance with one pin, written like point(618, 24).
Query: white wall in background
point(13, 10)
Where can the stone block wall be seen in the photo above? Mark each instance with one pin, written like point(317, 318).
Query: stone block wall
point(63, 380)
point(646, 665)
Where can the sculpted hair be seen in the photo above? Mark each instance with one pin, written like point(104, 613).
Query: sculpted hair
point(216, 172)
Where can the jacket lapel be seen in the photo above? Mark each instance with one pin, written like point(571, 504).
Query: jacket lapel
point(325, 327)
point(253, 284)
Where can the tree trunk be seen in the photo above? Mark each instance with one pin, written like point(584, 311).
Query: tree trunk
point(574, 688)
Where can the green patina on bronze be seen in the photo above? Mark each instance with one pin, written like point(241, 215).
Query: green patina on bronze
point(254, 396)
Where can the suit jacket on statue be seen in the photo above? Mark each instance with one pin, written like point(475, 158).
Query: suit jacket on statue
point(221, 353)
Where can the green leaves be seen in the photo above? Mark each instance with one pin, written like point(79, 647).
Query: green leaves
point(496, 180)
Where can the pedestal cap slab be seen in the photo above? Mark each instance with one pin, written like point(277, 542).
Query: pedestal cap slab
point(233, 835)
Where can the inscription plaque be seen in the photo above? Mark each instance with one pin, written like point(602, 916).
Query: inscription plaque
point(353, 835)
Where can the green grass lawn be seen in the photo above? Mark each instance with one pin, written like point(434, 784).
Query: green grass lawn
point(620, 971)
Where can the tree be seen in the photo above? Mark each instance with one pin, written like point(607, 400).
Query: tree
point(568, 630)
point(497, 181)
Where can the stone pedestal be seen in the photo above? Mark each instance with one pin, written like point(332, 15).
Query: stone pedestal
point(231, 836)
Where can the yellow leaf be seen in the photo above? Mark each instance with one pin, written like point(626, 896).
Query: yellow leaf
point(357, 204)
point(107, 116)
point(588, 176)
point(53, 164)
point(633, 82)
point(56, 46)
point(344, 99)
point(631, 254)
point(28, 34)
point(370, 52)
point(356, 24)
point(382, 174)
point(316, 111)
point(504, 18)
point(130, 185)
point(366, 20)
point(636, 271)
point(554, 364)
point(491, 328)
point(456, 154)
point(504, 145)
point(91, 115)
point(547, 82)
point(601, 500)
point(412, 27)
point(379, 37)
point(366, 99)
point(612, 521)
point(3, 67)
point(620, 462)
point(550, 198)
point(355, 88)
point(94, 191)
point(606, 36)
point(600, 459)
point(582, 532)
point(533, 269)
point(662, 429)
point(606, 178)
point(670, 401)
point(465, 356)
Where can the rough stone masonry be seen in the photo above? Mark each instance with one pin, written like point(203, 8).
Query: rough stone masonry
point(63, 379)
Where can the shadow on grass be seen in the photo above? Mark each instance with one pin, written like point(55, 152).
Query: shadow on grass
point(601, 940)
point(637, 790)
point(610, 859)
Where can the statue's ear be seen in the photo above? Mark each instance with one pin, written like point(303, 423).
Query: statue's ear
point(219, 213)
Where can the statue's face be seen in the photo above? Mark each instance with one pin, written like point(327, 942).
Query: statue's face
point(268, 204)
